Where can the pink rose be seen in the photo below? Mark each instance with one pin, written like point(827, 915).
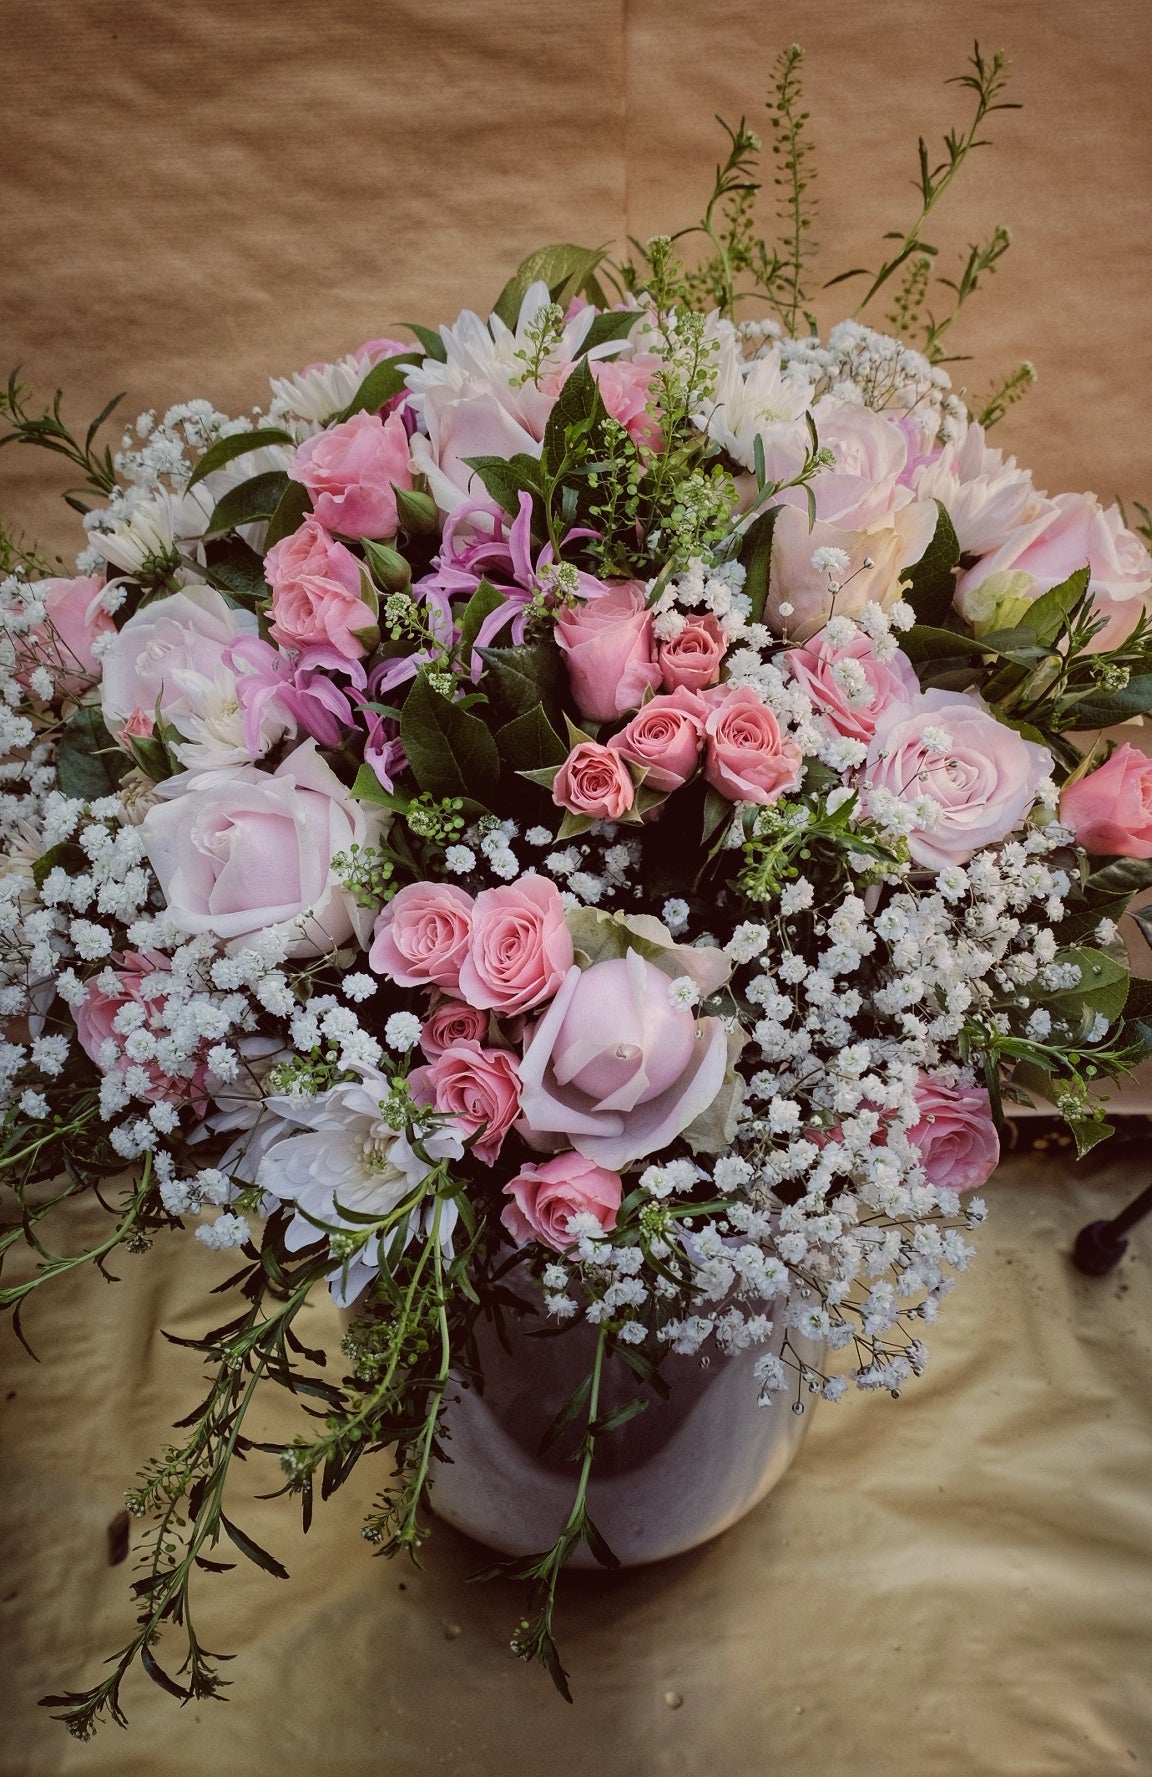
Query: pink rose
point(608, 646)
point(615, 1068)
point(95, 1024)
point(981, 774)
point(748, 759)
point(625, 388)
point(478, 1088)
point(317, 603)
point(352, 471)
point(1074, 531)
point(465, 423)
point(452, 1022)
point(1110, 810)
point(545, 1197)
point(863, 486)
point(519, 946)
point(852, 697)
point(375, 349)
point(665, 736)
point(241, 849)
point(595, 781)
point(956, 1135)
point(692, 659)
point(877, 558)
point(139, 726)
point(421, 937)
point(63, 642)
point(166, 652)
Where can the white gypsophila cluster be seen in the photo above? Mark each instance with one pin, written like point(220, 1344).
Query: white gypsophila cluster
point(861, 367)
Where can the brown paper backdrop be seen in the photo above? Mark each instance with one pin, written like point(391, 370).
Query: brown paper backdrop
point(193, 198)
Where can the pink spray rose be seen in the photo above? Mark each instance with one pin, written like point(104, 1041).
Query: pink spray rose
point(624, 389)
point(608, 645)
point(317, 597)
point(665, 736)
point(139, 726)
point(519, 947)
point(692, 659)
point(352, 471)
point(1073, 531)
point(595, 781)
point(956, 1135)
point(852, 696)
point(1110, 810)
point(982, 775)
point(63, 642)
point(615, 1067)
point(421, 937)
point(452, 1022)
point(748, 759)
point(241, 849)
point(478, 1088)
point(545, 1197)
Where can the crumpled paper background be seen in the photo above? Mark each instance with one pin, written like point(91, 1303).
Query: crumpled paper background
point(958, 1583)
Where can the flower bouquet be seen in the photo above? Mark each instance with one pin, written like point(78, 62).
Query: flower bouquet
point(579, 825)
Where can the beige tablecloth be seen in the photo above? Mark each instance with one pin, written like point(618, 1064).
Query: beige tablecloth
point(955, 1584)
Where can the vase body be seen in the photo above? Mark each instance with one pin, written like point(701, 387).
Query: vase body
point(674, 1476)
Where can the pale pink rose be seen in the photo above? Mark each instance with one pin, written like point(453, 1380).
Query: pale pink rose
point(608, 646)
point(241, 849)
point(545, 1197)
point(519, 947)
point(615, 1068)
point(139, 726)
point(595, 781)
point(748, 759)
point(692, 659)
point(63, 642)
point(452, 1022)
point(1075, 532)
point(317, 597)
point(352, 471)
point(478, 1088)
point(95, 1024)
point(665, 736)
point(815, 668)
point(982, 775)
point(877, 556)
point(625, 387)
point(1110, 810)
point(956, 1134)
point(166, 651)
point(375, 349)
point(462, 425)
point(863, 487)
point(421, 937)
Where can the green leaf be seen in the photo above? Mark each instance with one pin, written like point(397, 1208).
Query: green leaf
point(1082, 921)
point(1088, 1133)
point(617, 1416)
point(578, 405)
point(434, 346)
point(1103, 709)
point(225, 450)
point(530, 743)
point(89, 764)
point(933, 580)
point(450, 751)
point(612, 324)
point(158, 1675)
point(484, 601)
point(756, 558)
point(517, 679)
point(600, 1549)
point(1139, 1001)
point(240, 572)
point(253, 500)
point(382, 382)
point(1103, 985)
point(368, 788)
point(253, 1550)
point(506, 478)
point(1046, 617)
point(925, 643)
point(566, 269)
point(1124, 876)
point(295, 503)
